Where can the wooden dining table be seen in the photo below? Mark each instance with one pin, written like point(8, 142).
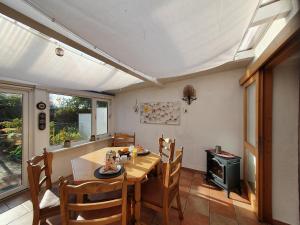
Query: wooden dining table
point(137, 168)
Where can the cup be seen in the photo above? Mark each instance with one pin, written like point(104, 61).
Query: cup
point(218, 149)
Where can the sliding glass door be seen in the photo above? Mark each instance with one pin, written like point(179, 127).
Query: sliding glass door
point(251, 144)
point(13, 141)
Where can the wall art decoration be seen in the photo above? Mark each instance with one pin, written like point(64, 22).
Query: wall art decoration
point(160, 113)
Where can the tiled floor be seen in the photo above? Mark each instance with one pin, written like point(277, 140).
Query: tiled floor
point(202, 204)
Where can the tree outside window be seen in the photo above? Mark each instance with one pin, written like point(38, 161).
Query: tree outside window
point(70, 118)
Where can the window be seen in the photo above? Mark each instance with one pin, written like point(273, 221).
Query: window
point(102, 117)
point(70, 118)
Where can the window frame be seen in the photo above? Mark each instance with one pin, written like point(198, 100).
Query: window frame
point(94, 123)
point(94, 98)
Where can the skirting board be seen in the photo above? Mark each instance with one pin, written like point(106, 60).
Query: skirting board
point(276, 222)
point(193, 170)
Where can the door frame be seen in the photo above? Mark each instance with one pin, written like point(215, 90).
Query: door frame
point(25, 138)
point(278, 51)
point(248, 147)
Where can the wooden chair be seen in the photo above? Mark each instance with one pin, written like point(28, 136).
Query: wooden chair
point(44, 204)
point(104, 212)
point(121, 140)
point(166, 152)
point(166, 148)
point(158, 194)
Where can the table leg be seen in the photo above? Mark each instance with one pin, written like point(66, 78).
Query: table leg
point(137, 206)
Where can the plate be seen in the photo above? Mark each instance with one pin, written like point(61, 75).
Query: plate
point(124, 153)
point(103, 172)
point(145, 152)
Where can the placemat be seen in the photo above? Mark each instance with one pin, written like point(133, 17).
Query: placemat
point(108, 176)
point(143, 153)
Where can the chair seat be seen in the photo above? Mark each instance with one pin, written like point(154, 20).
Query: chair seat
point(49, 203)
point(152, 191)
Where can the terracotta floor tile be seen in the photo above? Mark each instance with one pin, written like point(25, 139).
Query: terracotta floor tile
point(244, 211)
point(185, 182)
point(240, 198)
point(219, 195)
point(174, 219)
point(198, 205)
point(194, 218)
point(186, 173)
point(217, 219)
point(199, 176)
point(221, 208)
point(184, 191)
point(199, 190)
point(183, 203)
point(147, 215)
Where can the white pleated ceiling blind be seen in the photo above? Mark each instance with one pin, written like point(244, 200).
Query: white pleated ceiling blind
point(26, 56)
point(159, 38)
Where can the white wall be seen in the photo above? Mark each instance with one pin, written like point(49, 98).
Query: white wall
point(61, 164)
point(215, 118)
point(285, 194)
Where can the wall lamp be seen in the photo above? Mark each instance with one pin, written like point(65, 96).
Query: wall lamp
point(189, 94)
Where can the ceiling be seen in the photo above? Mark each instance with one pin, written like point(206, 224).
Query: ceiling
point(158, 39)
point(28, 56)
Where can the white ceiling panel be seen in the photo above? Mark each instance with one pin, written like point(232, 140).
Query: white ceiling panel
point(28, 56)
point(159, 38)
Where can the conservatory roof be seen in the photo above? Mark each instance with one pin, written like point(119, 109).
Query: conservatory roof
point(27, 55)
point(156, 39)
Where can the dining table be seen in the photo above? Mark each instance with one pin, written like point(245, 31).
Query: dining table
point(137, 168)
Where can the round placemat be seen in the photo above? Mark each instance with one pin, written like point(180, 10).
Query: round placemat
point(98, 175)
point(143, 153)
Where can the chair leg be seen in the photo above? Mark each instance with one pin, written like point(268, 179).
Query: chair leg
point(35, 220)
point(166, 215)
point(179, 209)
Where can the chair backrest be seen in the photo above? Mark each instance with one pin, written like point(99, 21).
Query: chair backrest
point(171, 176)
point(166, 148)
point(121, 139)
point(93, 187)
point(35, 167)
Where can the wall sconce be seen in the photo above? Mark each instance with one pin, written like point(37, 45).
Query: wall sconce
point(189, 94)
point(136, 107)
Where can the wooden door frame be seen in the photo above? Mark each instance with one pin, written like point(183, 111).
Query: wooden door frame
point(254, 150)
point(290, 48)
point(284, 45)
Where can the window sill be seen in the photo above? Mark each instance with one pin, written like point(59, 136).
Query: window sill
point(60, 148)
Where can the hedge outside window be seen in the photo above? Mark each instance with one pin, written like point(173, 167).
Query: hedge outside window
point(70, 118)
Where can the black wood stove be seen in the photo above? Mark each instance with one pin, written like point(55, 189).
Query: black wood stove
point(223, 169)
